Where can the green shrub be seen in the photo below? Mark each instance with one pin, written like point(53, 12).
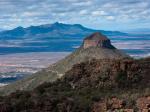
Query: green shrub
point(122, 79)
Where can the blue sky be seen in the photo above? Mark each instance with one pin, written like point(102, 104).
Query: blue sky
point(98, 14)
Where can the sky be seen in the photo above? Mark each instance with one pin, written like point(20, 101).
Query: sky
point(97, 14)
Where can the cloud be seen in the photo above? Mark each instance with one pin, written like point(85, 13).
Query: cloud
point(110, 18)
point(83, 12)
point(33, 12)
point(99, 13)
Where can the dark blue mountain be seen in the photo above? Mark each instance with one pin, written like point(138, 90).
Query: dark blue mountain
point(17, 32)
point(53, 30)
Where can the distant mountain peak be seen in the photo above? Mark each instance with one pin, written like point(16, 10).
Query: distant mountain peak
point(57, 23)
point(79, 25)
point(97, 40)
point(19, 28)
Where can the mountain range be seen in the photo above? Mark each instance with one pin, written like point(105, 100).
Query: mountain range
point(53, 30)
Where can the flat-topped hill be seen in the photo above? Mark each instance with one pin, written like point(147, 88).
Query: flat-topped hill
point(97, 40)
point(101, 49)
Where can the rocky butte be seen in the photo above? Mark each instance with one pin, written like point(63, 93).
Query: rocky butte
point(95, 46)
point(97, 40)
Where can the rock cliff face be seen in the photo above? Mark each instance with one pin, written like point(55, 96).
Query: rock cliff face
point(109, 73)
point(116, 105)
point(97, 40)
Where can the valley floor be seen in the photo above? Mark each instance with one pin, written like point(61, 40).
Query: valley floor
point(17, 66)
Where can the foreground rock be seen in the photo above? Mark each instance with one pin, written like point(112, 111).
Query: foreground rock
point(103, 85)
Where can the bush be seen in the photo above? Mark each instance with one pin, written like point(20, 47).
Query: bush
point(122, 79)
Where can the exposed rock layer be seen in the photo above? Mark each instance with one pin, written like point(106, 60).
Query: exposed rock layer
point(97, 40)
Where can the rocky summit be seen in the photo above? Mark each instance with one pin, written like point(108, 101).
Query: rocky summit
point(97, 40)
point(95, 46)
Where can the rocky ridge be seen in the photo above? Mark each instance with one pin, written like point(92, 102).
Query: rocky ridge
point(103, 85)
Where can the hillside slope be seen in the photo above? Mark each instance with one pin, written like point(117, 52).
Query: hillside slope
point(103, 85)
point(96, 51)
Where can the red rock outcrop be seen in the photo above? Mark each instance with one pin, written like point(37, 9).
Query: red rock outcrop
point(143, 104)
point(100, 106)
point(110, 105)
point(97, 40)
point(115, 103)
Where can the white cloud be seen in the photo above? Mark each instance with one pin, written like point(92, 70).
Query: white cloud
point(17, 12)
point(86, 3)
point(110, 18)
point(99, 13)
point(83, 12)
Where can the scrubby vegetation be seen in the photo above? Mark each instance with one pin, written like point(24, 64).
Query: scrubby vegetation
point(87, 87)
